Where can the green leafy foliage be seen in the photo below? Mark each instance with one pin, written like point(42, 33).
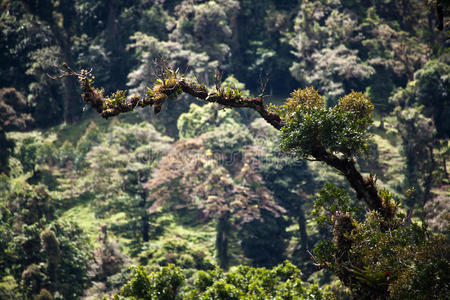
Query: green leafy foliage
point(335, 200)
point(377, 262)
point(339, 129)
point(40, 252)
point(201, 119)
point(430, 90)
point(162, 285)
point(14, 116)
point(281, 282)
point(418, 135)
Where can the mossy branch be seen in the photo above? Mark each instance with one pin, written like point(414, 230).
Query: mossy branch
point(171, 83)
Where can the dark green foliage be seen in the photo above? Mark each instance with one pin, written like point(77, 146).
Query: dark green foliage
point(13, 116)
point(71, 275)
point(27, 153)
point(332, 200)
point(419, 137)
point(429, 89)
point(51, 248)
point(39, 252)
point(265, 242)
point(6, 253)
point(291, 181)
point(33, 278)
point(379, 91)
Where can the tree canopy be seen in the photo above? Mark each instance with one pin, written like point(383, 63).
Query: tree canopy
point(236, 134)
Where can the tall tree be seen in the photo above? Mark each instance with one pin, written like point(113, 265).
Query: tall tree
point(119, 167)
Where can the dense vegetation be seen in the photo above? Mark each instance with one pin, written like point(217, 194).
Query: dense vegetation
point(340, 191)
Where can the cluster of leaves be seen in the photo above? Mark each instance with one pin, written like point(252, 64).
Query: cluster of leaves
point(202, 119)
point(339, 129)
point(182, 253)
point(164, 284)
point(281, 282)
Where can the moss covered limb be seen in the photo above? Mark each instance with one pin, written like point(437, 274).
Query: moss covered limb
point(172, 84)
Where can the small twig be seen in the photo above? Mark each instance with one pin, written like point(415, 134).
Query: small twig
point(263, 84)
point(161, 67)
point(218, 80)
point(315, 261)
point(68, 72)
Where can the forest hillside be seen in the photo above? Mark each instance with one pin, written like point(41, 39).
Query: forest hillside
point(234, 149)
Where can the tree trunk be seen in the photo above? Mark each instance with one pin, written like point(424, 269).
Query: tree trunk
point(428, 181)
point(145, 227)
point(115, 42)
point(365, 188)
point(145, 218)
point(62, 35)
point(381, 121)
point(223, 228)
point(444, 160)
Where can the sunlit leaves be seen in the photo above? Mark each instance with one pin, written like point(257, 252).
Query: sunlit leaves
point(311, 126)
point(161, 285)
point(282, 282)
point(201, 119)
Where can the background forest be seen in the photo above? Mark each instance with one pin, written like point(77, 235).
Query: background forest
point(200, 196)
